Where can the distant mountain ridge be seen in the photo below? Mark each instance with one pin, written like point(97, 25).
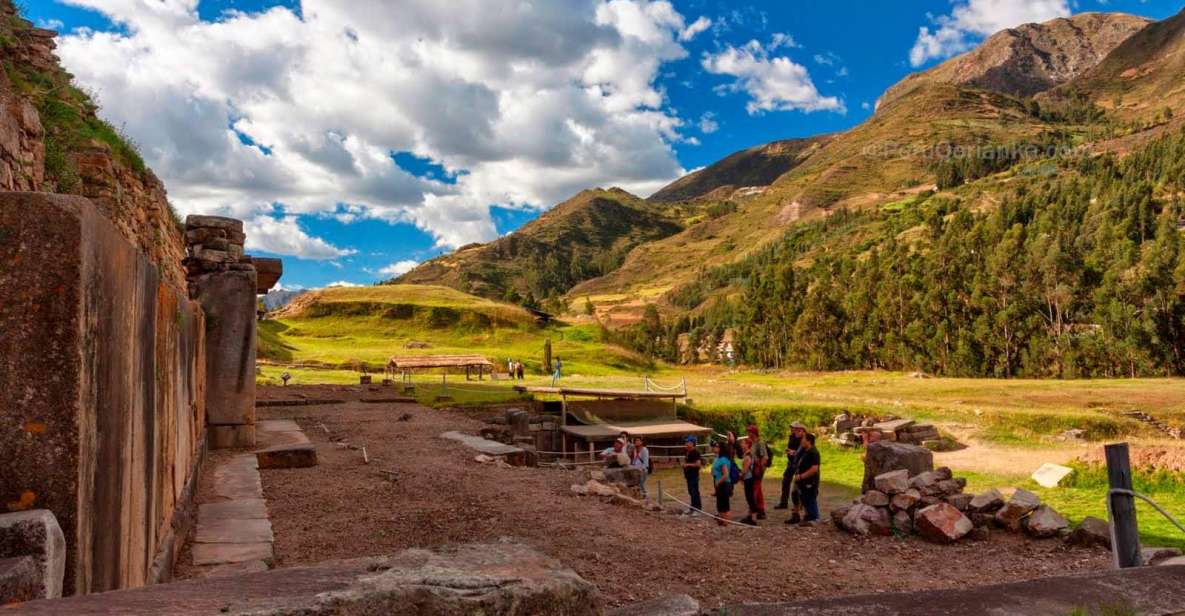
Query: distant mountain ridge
point(753, 167)
point(1030, 58)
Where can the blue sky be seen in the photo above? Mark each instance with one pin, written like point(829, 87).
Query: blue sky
point(411, 129)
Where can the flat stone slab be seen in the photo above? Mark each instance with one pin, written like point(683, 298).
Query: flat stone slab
point(481, 445)
point(238, 509)
point(893, 426)
point(496, 579)
point(1148, 591)
point(276, 425)
point(389, 400)
point(1050, 475)
point(288, 456)
point(266, 403)
point(245, 484)
point(223, 553)
point(267, 440)
point(247, 566)
point(233, 531)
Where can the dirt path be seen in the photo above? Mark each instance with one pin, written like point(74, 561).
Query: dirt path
point(344, 508)
point(983, 457)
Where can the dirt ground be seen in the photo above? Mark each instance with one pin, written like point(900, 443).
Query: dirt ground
point(434, 493)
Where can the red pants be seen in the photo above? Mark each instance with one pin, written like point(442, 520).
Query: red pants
point(759, 494)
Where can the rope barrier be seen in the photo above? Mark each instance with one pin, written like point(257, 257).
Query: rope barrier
point(1155, 506)
point(651, 385)
point(710, 515)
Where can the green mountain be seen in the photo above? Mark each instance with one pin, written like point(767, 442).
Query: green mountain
point(748, 171)
point(582, 238)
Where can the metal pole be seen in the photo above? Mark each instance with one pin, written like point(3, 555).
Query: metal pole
point(1125, 533)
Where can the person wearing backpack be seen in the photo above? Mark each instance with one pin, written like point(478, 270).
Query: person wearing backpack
point(641, 461)
point(749, 477)
point(722, 471)
point(761, 461)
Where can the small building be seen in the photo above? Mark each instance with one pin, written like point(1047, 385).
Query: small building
point(591, 419)
point(404, 365)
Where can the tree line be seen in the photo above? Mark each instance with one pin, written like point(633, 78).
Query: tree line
point(1078, 274)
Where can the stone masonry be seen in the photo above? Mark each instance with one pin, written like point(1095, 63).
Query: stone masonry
point(223, 280)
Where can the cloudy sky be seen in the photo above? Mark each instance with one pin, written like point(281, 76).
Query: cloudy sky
point(357, 138)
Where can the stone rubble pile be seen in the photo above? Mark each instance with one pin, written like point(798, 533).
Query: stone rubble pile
point(849, 430)
point(614, 485)
point(902, 496)
point(520, 428)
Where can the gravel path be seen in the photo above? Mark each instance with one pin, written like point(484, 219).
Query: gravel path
point(437, 494)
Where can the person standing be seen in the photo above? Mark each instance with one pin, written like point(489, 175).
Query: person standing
point(748, 479)
point(559, 370)
point(722, 480)
point(807, 479)
point(641, 461)
point(692, 463)
point(521, 371)
point(761, 460)
point(797, 431)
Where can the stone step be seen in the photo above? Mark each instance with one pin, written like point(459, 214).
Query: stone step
point(223, 553)
point(234, 531)
point(238, 509)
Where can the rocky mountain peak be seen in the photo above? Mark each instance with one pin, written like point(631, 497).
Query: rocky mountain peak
point(1030, 58)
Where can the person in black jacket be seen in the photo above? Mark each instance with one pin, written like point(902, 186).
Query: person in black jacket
point(797, 431)
point(807, 479)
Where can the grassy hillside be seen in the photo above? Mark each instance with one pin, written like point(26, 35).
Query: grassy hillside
point(887, 159)
point(747, 170)
point(347, 327)
point(581, 238)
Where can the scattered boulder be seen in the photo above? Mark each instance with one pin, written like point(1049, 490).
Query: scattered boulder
point(981, 519)
point(1091, 532)
point(1013, 512)
point(979, 533)
point(987, 502)
point(34, 534)
point(951, 486)
point(837, 515)
point(673, 605)
point(903, 522)
point(1051, 475)
point(596, 488)
point(892, 482)
point(942, 523)
point(1155, 556)
point(628, 475)
point(20, 580)
point(906, 500)
point(926, 480)
point(886, 456)
point(875, 498)
point(862, 519)
point(945, 473)
point(1172, 562)
point(962, 502)
point(1044, 522)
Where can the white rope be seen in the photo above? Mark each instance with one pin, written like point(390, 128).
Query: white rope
point(651, 384)
point(710, 515)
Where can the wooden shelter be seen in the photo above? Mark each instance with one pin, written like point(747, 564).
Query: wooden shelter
point(405, 364)
point(593, 418)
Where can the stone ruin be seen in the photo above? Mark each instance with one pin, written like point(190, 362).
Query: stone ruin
point(114, 381)
point(854, 430)
point(904, 494)
point(521, 428)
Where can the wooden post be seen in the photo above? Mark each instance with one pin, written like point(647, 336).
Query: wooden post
point(1125, 533)
point(591, 457)
point(660, 493)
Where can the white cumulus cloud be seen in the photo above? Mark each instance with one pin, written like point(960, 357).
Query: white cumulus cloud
point(398, 268)
point(971, 20)
point(773, 83)
point(343, 283)
point(708, 123)
point(275, 112)
point(284, 236)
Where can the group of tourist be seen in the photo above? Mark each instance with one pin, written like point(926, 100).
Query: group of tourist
point(800, 481)
point(630, 452)
point(515, 369)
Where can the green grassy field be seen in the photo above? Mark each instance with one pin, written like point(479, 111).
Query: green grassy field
point(1011, 424)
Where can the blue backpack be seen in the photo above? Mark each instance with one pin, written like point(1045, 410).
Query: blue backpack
point(734, 473)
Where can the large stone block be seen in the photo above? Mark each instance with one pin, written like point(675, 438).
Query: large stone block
point(884, 456)
point(494, 579)
point(228, 299)
point(942, 523)
point(101, 386)
point(35, 535)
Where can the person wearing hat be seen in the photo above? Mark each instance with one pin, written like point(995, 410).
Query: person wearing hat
point(761, 460)
point(790, 492)
point(692, 463)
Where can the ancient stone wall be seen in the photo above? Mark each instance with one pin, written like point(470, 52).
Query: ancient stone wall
point(102, 389)
point(133, 200)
